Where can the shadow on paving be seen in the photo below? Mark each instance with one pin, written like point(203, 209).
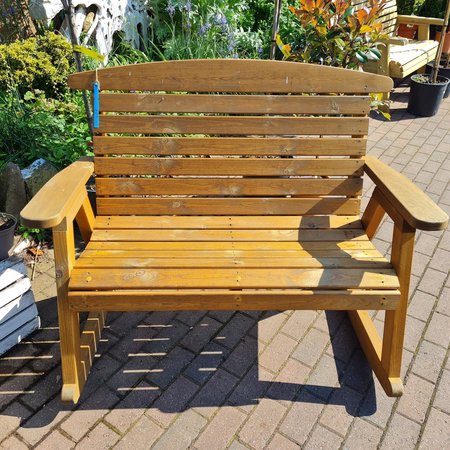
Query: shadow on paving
point(170, 362)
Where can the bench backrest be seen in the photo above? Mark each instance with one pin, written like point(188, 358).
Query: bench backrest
point(388, 17)
point(230, 137)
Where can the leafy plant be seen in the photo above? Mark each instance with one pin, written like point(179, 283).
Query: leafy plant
point(35, 127)
point(432, 8)
point(42, 62)
point(334, 33)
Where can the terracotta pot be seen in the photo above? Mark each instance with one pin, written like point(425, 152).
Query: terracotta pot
point(446, 48)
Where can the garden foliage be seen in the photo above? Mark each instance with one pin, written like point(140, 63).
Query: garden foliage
point(334, 33)
point(42, 62)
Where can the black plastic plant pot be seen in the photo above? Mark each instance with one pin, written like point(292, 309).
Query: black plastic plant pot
point(442, 72)
point(425, 98)
point(7, 226)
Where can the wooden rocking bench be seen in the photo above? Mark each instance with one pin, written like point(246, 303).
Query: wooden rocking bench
point(214, 194)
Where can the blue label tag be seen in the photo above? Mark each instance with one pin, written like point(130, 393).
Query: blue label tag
point(96, 104)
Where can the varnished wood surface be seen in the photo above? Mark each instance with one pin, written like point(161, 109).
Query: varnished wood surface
point(267, 146)
point(232, 76)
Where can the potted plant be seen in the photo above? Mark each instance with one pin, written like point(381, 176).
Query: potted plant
point(427, 91)
point(7, 226)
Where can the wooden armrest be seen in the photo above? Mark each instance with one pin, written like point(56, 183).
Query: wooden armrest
point(61, 197)
point(419, 20)
point(398, 40)
point(407, 199)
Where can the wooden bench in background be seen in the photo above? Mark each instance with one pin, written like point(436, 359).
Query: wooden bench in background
point(213, 194)
point(402, 56)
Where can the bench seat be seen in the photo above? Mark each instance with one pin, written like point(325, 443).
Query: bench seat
point(153, 258)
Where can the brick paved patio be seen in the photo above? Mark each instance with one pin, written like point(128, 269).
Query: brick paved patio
point(244, 380)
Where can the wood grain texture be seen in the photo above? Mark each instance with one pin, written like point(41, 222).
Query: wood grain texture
point(292, 146)
point(233, 125)
point(227, 222)
point(234, 104)
point(411, 202)
point(228, 166)
point(234, 206)
point(67, 192)
point(227, 187)
point(176, 300)
point(232, 76)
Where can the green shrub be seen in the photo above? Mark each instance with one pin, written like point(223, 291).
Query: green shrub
point(42, 63)
point(35, 127)
point(432, 8)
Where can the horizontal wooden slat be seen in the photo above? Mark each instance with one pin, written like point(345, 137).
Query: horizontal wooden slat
point(220, 206)
point(234, 104)
point(229, 146)
point(228, 166)
point(265, 261)
point(230, 253)
point(228, 187)
point(227, 222)
point(111, 279)
point(173, 300)
point(228, 235)
point(236, 125)
point(235, 246)
point(232, 76)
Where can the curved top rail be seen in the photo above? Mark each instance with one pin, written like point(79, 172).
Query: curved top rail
point(233, 75)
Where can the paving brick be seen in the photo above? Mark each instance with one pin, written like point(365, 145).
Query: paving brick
point(289, 381)
point(234, 330)
point(421, 305)
point(438, 330)
point(89, 413)
point(324, 377)
point(301, 417)
point(101, 437)
point(442, 398)
point(56, 441)
point(269, 325)
point(330, 321)
point(141, 437)
point(12, 443)
point(200, 334)
point(436, 434)
point(377, 406)
point(221, 429)
point(182, 433)
point(252, 387)
point(343, 342)
point(206, 362)
point(416, 398)
point(166, 339)
point(279, 442)
point(43, 421)
point(413, 333)
point(298, 323)
point(242, 357)
point(236, 445)
point(432, 281)
point(428, 361)
point(168, 368)
point(312, 346)
point(214, 392)
point(11, 418)
point(190, 317)
point(342, 407)
point(262, 423)
point(172, 401)
point(221, 316)
point(363, 436)
point(132, 407)
point(323, 438)
point(277, 352)
point(403, 434)
point(443, 305)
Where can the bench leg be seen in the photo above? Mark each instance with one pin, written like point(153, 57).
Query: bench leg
point(69, 323)
point(385, 356)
